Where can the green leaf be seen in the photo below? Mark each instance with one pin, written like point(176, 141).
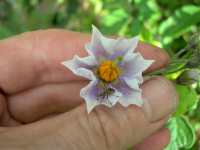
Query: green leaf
point(148, 10)
point(136, 27)
point(146, 21)
point(114, 21)
point(187, 98)
point(179, 22)
point(182, 134)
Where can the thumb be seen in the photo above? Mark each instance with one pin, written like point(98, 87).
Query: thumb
point(120, 128)
point(115, 128)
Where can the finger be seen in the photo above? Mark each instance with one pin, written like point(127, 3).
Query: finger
point(5, 118)
point(40, 54)
point(38, 103)
point(34, 104)
point(155, 53)
point(159, 97)
point(78, 130)
point(2, 105)
point(157, 141)
point(120, 127)
point(104, 128)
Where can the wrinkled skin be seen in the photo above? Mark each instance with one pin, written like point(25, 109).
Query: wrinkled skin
point(40, 107)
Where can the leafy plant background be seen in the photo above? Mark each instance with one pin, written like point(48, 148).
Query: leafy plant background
point(167, 24)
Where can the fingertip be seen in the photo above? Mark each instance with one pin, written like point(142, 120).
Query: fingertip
point(155, 53)
point(167, 136)
point(163, 57)
point(157, 141)
point(160, 98)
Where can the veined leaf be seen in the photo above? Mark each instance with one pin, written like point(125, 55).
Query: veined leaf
point(182, 134)
point(187, 98)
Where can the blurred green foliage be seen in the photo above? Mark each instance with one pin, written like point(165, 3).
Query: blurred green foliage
point(164, 23)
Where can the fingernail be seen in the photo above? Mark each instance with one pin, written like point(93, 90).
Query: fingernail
point(160, 98)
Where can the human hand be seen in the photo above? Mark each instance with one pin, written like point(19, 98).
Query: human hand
point(36, 90)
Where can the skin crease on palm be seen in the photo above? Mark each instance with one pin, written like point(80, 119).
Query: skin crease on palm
point(40, 107)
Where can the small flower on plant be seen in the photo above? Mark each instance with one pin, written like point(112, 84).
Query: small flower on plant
point(114, 70)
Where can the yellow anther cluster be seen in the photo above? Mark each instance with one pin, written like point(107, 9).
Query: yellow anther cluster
point(108, 71)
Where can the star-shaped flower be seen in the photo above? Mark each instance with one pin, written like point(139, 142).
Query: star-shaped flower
point(114, 71)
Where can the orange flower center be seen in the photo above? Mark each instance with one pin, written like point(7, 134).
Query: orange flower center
point(108, 71)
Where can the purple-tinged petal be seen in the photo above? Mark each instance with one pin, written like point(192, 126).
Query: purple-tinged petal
point(118, 47)
point(113, 98)
point(83, 72)
point(90, 94)
point(129, 95)
point(132, 97)
point(109, 48)
point(132, 83)
point(95, 47)
point(82, 66)
point(134, 64)
point(139, 77)
point(102, 43)
point(122, 47)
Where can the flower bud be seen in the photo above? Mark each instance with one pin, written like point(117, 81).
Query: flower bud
point(189, 76)
point(194, 62)
point(194, 48)
point(194, 41)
